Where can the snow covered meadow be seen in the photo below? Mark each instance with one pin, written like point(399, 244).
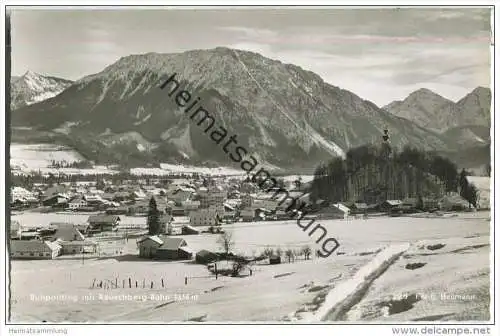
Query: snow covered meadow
point(39, 157)
point(385, 270)
point(35, 156)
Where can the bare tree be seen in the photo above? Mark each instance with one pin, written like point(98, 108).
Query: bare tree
point(298, 252)
point(268, 252)
point(306, 250)
point(279, 252)
point(290, 255)
point(226, 241)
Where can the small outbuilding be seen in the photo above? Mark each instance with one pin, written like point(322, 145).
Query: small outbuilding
point(77, 246)
point(205, 257)
point(388, 205)
point(358, 208)
point(274, 260)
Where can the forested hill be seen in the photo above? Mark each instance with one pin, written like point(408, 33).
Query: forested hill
point(373, 174)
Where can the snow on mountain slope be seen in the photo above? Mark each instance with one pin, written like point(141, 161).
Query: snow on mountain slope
point(428, 109)
point(32, 88)
point(286, 115)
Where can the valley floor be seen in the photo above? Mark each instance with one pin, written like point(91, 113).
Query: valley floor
point(426, 281)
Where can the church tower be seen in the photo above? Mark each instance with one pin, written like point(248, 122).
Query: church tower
point(386, 149)
point(385, 154)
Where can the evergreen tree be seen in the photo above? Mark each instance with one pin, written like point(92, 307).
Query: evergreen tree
point(420, 202)
point(100, 184)
point(463, 183)
point(373, 174)
point(51, 179)
point(280, 182)
point(153, 218)
point(298, 183)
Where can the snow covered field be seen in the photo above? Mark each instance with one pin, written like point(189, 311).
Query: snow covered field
point(35, 219)
point(459, 290)
point(33, 157)
point(25, 159)
point(167, 169)
point(38, 157)
point(200, 170)
point(290, 291)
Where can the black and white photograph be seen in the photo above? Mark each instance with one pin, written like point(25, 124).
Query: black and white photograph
point(266, 164)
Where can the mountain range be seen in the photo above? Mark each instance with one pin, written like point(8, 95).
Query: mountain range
point(285, 115)
point(467, 121)
point(31, 88)
point(428, 109)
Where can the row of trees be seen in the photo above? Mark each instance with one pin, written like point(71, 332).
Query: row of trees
point(27, 181)
point(374, 173)
point(74, 164)
point(153, 221)
point(289, 253)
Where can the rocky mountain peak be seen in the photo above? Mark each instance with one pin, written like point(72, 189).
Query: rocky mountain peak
point(32, 87)
point(282, 112)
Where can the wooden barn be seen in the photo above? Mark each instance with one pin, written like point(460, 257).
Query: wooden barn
point(148, 245)
point(173, 249)
point(164, 248)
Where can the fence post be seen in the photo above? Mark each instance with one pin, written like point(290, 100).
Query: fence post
point(185, 280)
point(151, 284)
point(162, 283)
point(129, 283)
point(135, 283)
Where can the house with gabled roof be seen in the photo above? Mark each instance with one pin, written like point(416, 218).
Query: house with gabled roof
point(56, 200)
point(103, 222)
point(34, 249)
point(55, 190)
point(164, 248)
point(77, 202)
point(77, 246)
point(334, 211)
point(388, 205)
point(358, 207)
point(148, 245)
point(173, 249)
point(204, 217)
point(67, 232)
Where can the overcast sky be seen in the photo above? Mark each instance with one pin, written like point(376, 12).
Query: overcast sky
point(380, 54)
